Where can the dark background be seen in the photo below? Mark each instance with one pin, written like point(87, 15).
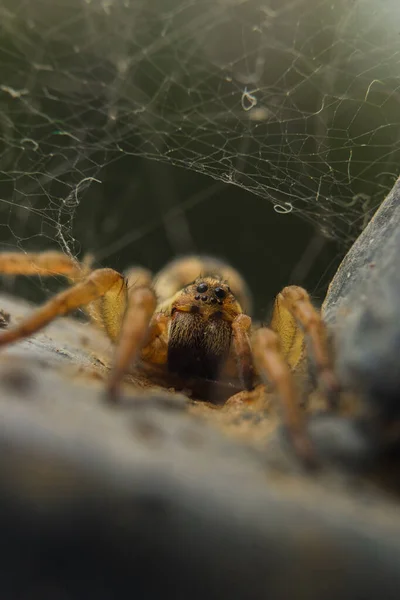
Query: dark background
point(126, 130)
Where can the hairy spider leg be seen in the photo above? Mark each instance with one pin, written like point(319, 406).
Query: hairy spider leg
point(273, 367)
point(39, 263)
point(134, 333)
point(123, 307)
point(296, 300)
point(47, 264)
point(282, 347)
point(240, 328)
point(100, 283)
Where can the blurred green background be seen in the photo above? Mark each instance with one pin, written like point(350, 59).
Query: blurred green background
point(262, 132)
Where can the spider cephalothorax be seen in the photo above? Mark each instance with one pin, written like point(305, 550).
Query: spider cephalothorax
point(199, 329)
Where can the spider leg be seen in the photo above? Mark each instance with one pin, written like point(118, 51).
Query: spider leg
point(99, 283)
point(122, 306)
point(39, 263)
point(296, 300)
point(134, 334)
point(138, 329)
point(47, 264)
point(156, 354)
point(273, 367)
point(240, 328)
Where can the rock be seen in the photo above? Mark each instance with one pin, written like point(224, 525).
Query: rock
point(162, 496)
point(363, 310)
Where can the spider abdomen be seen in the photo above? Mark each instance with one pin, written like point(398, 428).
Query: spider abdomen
point(198, 347)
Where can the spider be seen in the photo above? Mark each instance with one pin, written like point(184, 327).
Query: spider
point(190, 320)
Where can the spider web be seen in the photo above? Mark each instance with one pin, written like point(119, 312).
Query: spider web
point(295, 101)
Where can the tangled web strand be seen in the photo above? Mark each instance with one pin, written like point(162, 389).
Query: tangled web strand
point(295, 101)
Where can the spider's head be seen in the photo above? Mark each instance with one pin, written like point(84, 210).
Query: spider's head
point(209, 297)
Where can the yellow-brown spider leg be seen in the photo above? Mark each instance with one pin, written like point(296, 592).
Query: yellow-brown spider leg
point(298, 303)
point(241, 343)
point(272, 366)
point(156, 353)
point(136, 330)
point(97, 284)
point(46, 264)
point(134, 335)
point(40, 263)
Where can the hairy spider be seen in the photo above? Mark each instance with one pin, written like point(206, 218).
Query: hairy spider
point(191, 320)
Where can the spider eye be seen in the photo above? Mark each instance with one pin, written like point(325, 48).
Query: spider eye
point(203, 287)
point(219, 292)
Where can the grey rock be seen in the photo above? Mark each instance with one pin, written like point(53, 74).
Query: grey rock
point(363, 309)
point(146, 499)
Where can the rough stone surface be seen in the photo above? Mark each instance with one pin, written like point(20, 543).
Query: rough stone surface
point(363, 310)
point(164, 496)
